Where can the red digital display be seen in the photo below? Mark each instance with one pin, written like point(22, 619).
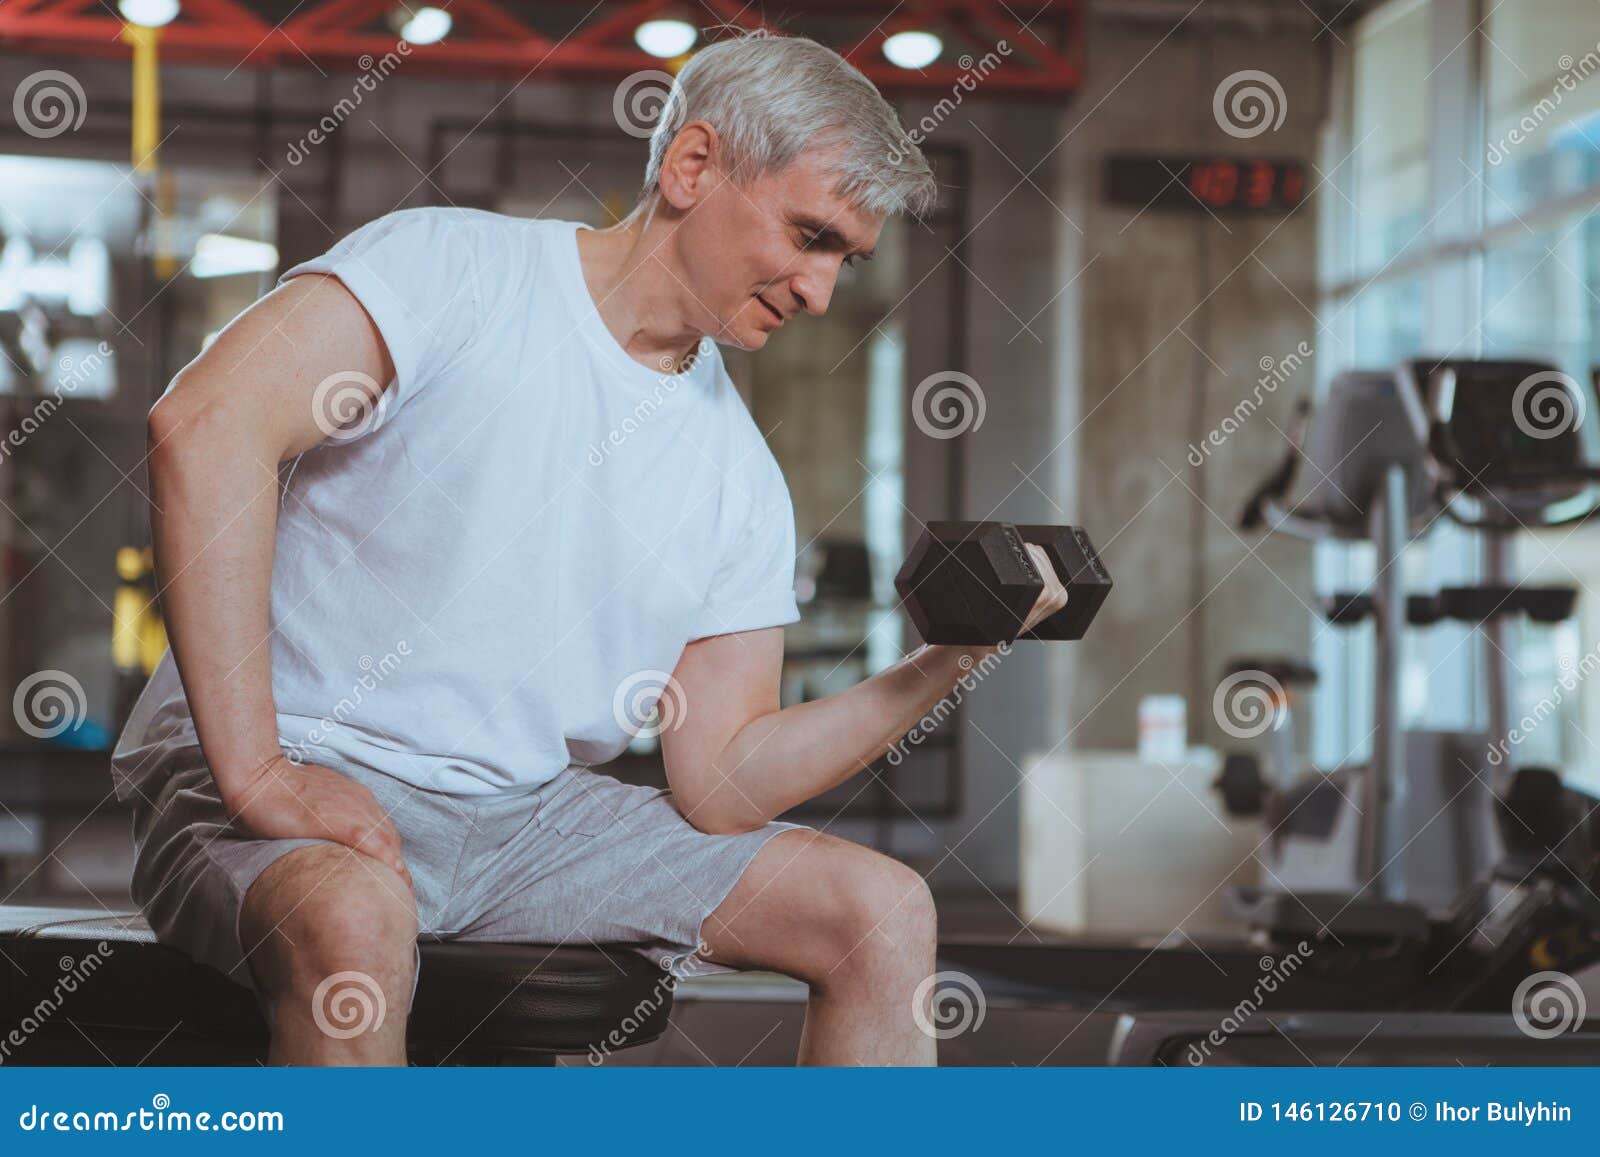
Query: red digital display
point(1215, 184)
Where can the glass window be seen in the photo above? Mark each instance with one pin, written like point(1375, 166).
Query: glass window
point(1539, 302)
point(1542, 102)
point(1528, 291)
point(1539, 296)
point(1390, 321)
point(1389, 139)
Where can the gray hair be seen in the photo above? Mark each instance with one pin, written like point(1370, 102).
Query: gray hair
point(771, 97)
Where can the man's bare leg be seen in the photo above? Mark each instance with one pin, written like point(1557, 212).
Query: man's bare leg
point(857, 926)
point(330, 934)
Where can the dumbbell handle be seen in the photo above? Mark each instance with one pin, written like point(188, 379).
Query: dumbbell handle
point(1078, 566)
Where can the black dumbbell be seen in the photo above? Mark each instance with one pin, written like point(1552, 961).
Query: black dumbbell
point(973, 583)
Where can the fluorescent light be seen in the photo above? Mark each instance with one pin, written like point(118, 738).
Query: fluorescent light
point(219, 255)
point(15, 261)
point(665, 38)
point(426, 26)
point(912, 49)
point(48, 279)
point(150, 13)
point(89, 285)
point(78, 368)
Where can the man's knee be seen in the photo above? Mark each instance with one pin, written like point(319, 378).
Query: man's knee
point(880, 913)
point(324, 909)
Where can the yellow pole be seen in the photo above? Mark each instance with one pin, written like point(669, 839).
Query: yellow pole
point(166, 246)
point(146, 95)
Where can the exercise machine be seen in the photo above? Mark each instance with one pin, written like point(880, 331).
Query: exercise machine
point(1442, 878)
point(1441, 875)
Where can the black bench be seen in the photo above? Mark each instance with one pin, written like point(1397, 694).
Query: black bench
point(139, 1002)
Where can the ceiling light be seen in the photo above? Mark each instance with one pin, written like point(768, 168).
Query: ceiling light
point(149, 13)
point(665, 38)
point(219, 255)
point(426, 26)
point(912, 49)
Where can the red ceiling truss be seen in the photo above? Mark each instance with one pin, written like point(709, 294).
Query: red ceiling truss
point(518, 38)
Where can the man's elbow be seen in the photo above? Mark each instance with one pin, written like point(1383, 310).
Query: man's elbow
point(166, 424)
point(706, 813)
point(182, 419)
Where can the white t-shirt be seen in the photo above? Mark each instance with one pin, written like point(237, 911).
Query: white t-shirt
point(490, 577)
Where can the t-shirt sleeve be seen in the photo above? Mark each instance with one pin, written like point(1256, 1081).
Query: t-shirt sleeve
point(418, 275)
point(754, 585)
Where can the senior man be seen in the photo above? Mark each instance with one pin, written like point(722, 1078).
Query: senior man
point(435, 516)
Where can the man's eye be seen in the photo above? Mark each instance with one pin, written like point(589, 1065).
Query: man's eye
point(807, 240)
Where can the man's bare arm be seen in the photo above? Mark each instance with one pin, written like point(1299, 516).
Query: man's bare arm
point(217, 437)
point(736, 760)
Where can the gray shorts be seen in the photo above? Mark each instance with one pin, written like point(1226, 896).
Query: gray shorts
point(582, 859)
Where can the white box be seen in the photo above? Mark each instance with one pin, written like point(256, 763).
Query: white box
point(1112, 844)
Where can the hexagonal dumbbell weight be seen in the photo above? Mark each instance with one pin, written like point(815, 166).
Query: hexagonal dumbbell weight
point(973, 583)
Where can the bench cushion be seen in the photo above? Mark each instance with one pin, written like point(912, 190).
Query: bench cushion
point(473, 999)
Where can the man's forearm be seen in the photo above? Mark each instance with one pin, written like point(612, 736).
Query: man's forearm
point(213, 521)
point(785, 758)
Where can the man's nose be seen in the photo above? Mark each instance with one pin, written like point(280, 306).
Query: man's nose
point(814, 289)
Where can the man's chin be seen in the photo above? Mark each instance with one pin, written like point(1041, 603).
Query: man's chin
point(747, 338)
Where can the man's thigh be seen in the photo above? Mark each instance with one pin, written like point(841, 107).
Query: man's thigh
point(812, 904)
point(588, 859)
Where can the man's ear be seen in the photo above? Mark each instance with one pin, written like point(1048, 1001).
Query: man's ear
point(688, 169)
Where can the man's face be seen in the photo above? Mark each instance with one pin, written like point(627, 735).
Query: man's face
point(759, 253)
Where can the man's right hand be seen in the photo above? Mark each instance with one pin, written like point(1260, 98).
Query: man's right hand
point(287, 800)
point(1054, 595)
